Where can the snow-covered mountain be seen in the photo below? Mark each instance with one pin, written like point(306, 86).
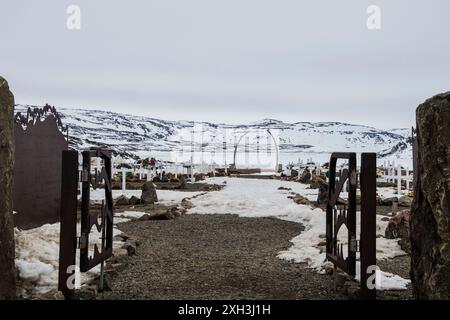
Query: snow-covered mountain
point(137, 136)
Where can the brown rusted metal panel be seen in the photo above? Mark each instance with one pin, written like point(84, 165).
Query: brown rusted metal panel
point(37, 170)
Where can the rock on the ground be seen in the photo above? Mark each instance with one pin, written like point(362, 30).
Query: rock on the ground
point(328, 267)
point(404, 201)
point(122, 201)
point(430, 213)
point(169, 214)
point(322, 196)
point(89, 292)
point(398, 228)
point(120, 252)
point(149, 195)
point(305, 176)
point(299, 199)
point(144, 217)
point(134, 200)
point(212, 187)
point(379, 200)
point(199, 176)
point(130, 246)
point(318, 182)
point(177, 211)
point(121, 237)
point(389, 201)
point(185, 203)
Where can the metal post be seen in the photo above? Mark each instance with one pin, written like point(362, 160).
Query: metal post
point(351, 215)
point(68, 220)
point(368, 221)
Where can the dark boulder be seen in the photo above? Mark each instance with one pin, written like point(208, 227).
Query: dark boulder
point(398, 228)
point(305, 177)
point(322, 196)
point(389, 201)
point(122, 201)
point(149, 195)
point(134, 200)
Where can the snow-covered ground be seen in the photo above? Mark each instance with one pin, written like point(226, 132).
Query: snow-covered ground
point(37, 257)
point(390, 192)
point(261, 198)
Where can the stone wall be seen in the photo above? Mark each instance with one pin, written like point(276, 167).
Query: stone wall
point(7, 268)
point(430, 214)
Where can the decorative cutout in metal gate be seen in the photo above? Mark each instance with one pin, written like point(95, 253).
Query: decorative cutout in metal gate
point(100, 221)
point(90, 219)
point(337, 217)
point(346, 215)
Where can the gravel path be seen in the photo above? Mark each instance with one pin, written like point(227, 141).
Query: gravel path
point(216, 257)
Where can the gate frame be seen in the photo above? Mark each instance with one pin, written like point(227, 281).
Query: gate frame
point(69, 242)
point(88, 220)
point(347, 217)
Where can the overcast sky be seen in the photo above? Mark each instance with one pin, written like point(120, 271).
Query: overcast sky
point(234, 61)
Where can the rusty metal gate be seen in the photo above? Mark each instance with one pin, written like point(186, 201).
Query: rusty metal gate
point(343, 256)
point(91, 253)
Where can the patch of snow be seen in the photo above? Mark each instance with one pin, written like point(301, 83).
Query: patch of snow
point(386, 192)
point(37, 257)
point(385, 280)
